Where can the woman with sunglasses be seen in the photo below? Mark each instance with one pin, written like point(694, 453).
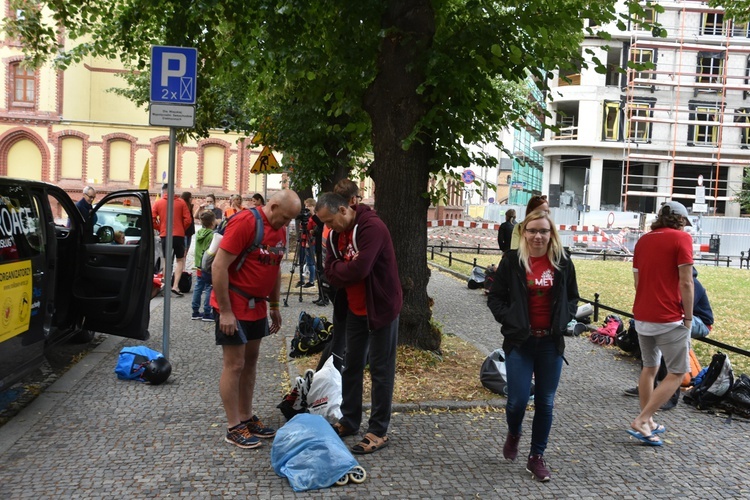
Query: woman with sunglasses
point(533, 297)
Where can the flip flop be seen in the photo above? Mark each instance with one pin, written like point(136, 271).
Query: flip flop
point(650, 440)
point(177, 292)
point(369, 444)
point(660, 429)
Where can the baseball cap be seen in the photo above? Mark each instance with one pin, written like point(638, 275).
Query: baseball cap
point(677, 208)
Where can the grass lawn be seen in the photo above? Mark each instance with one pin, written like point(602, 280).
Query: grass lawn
point(727, 290)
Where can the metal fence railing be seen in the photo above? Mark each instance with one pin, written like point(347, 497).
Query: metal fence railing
point(595, 303)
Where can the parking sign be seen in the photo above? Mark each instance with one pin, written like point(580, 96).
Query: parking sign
point(173, 74)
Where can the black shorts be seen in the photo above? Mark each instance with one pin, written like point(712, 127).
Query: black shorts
point(247, 330)
point(178, 246)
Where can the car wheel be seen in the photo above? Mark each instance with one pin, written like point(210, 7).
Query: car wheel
point(83, 336)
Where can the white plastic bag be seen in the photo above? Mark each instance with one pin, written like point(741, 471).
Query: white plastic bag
point(324, 397)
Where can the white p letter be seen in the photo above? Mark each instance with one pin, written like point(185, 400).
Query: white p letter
point(166, 73)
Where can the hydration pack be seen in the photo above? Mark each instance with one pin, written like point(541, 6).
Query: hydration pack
point(210, 253)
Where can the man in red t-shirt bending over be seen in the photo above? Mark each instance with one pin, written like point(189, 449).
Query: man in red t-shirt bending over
point(239, 300)
point(663, 312)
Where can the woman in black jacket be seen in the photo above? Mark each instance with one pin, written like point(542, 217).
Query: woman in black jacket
point(534, 296)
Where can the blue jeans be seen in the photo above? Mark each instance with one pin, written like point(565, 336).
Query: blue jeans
point(537, 356)
point(201, 287)
point(698, 329)
point(310, 261)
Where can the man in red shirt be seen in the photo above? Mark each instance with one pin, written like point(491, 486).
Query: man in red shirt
point(239, 300)
point(663, 312)
point(181, 220)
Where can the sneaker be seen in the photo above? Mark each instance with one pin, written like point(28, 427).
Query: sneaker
point(538, 468)
point(299, 284)
point(308, 285)
point(256, 428)
point(510, 448)
point(240, 436)
point(208, 317)
point(196, 316)
point(631, 392)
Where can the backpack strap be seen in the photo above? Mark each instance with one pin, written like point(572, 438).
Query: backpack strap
point(256, 241)
point(244, 294)
point(335, 242)
point(333, 238)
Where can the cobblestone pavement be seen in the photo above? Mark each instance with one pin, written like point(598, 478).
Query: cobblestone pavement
point(93, 436)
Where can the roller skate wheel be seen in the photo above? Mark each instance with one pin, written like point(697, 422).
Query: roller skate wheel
point(344, 479)
point(357, 475)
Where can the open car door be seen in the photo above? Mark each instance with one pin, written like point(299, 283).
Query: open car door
point(114, 268)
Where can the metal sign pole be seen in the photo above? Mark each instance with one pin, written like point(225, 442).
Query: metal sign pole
point(168, 251)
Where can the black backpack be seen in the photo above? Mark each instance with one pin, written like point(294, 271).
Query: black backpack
point(627, 340)
point(311, 335)
point(185, 282)
point(208, 257)
point(714, 387)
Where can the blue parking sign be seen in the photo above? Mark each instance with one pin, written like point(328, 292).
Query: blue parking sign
point(174, 71)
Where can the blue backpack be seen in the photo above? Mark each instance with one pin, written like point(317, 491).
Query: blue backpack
point(133, 360)
point(208, 257)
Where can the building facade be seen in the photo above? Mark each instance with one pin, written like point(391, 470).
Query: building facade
point(68, 128)
point(630, 138)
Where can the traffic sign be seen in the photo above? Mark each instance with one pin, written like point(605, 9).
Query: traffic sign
point(700, 194)
point(266, 162)
point(468, 176)
point(174, 71)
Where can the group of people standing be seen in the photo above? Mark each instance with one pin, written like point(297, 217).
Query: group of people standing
point(534, 295)
point(359, 263)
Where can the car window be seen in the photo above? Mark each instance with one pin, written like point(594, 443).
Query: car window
point(21, 227)
point(59, 214)
point(118, 221)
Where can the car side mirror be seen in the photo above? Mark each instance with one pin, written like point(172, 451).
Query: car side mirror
point(105, 234)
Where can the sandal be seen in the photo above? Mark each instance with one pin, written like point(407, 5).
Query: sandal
point(342, 430)
point(369, 444)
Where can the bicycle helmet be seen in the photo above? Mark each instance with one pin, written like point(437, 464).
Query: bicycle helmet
point(157, 371)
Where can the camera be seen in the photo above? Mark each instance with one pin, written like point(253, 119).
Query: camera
point(303, 218)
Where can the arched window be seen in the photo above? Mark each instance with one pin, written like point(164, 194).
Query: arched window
point(23, 89)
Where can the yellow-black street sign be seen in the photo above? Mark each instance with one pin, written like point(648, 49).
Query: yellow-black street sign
point(266, 162)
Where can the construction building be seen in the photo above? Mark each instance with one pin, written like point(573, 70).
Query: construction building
point(630, 139)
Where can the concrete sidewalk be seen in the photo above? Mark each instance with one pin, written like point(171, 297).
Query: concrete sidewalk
point(93, 436)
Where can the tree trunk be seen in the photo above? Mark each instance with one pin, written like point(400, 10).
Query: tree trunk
point(400, 176)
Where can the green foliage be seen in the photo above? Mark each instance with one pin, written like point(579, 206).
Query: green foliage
point(412, 84)
point(297, 72)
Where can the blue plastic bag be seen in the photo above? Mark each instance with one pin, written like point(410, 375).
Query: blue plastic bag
point(307, 451)
point(132, 362)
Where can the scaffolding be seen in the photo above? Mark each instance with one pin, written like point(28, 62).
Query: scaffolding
point(677, 115)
